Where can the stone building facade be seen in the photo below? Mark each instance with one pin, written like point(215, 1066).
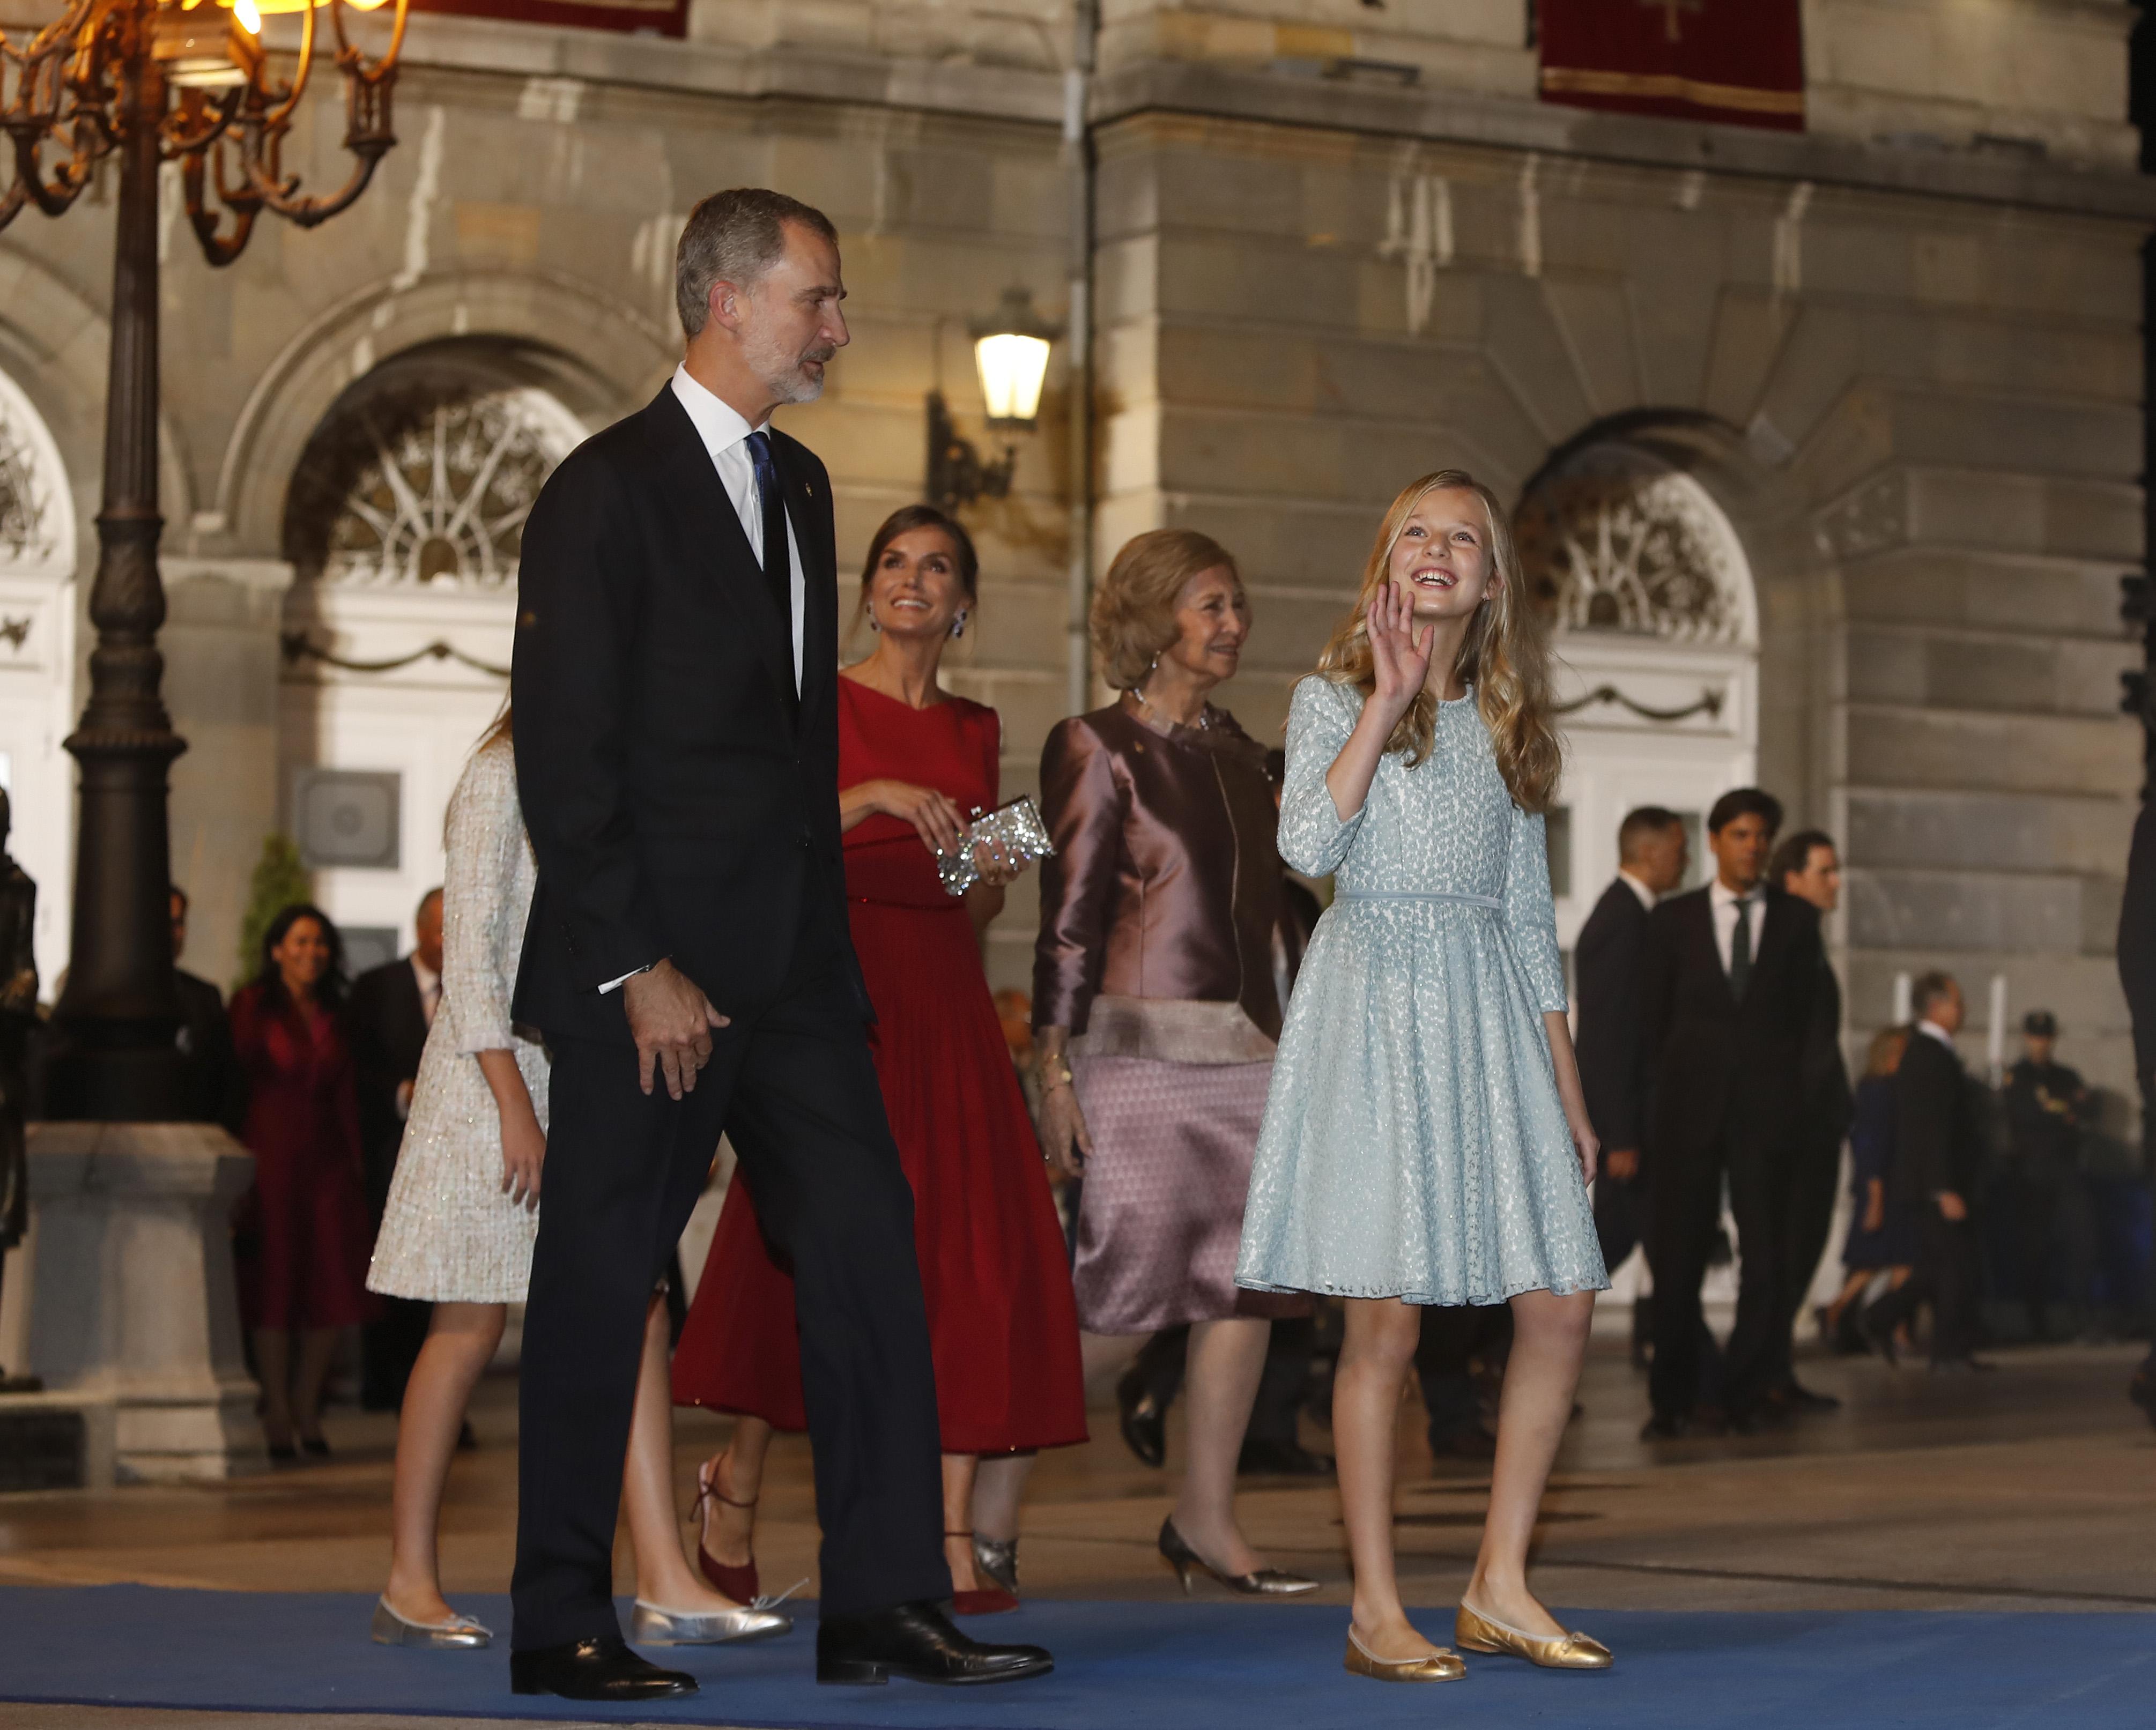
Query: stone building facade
point(1829, 442)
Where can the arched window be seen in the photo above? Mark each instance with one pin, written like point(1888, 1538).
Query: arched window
point(37, 518)
point(404, 524)
point(38, 551)
point(1613, 539)
point(421, 476)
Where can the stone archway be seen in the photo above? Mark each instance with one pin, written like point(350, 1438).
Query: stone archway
point(599, 358)
point(1657, 646)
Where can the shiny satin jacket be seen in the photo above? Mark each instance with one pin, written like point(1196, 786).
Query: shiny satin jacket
point(1165, 883)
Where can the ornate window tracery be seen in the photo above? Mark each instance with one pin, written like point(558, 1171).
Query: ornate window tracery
point(1615, 541)
point(35, 527)
point(427, 484)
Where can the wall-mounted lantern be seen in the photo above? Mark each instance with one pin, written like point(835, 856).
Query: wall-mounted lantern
point(1010, 352)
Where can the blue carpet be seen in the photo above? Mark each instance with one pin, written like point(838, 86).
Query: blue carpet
point(1201, 1667)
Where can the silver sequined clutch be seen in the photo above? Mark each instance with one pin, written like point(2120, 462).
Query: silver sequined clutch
point(1016, 827)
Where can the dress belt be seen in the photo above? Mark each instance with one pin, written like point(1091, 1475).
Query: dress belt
point(1422, 895)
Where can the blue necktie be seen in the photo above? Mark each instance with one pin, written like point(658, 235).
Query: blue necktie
point(777, 566)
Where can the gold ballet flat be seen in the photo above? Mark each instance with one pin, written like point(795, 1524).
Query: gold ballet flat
point(1441, 1666)
point(1475, 1632)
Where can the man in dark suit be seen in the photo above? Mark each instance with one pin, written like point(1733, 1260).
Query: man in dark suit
point(391, 1007)
point(1729, 977)
point(2137, 975)
point(1936, 1152)
point(2048, 1112)
point(1652, 857)
point(205, 1036)
point(1808, 866)
point(688, 961)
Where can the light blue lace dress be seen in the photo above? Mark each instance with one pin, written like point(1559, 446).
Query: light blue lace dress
point(1413, 1144)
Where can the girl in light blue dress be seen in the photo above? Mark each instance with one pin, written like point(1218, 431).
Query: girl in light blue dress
point(1426, 1140)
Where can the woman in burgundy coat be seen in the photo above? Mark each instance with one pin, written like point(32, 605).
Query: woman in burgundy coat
point(303, 1227)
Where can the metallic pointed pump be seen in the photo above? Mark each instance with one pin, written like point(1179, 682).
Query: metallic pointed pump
point(1265, 1583)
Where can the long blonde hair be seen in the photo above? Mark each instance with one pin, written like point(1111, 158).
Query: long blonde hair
point(1505, 656)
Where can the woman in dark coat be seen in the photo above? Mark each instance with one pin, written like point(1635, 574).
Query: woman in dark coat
point(303, 1227)
point(1882, 1235)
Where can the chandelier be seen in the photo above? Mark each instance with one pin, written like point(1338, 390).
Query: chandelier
point(196, 73)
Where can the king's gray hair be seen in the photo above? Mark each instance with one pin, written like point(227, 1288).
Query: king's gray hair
point(735, 236)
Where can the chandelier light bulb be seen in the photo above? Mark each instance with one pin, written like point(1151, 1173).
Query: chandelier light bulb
point(250, 19)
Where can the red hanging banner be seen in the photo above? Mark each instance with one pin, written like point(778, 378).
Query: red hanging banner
point(1737, 61)
point(653, 17)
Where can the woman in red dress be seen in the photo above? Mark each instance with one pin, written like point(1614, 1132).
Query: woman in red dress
point(914, 761)
point(303, 1232)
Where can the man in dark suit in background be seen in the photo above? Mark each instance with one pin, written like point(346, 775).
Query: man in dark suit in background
point(391, 1007)
point(2048, 1109)
point(1651, 860)
point(205, 1036)
point(689, 961)
point(1806, 865)
point(1937, 1154)
point(1729, 977)
point(2136, 974)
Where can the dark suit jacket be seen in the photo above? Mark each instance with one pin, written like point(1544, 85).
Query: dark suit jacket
point(1936, 1141)
point(205, 1040)
point(1716, 1066)
point(681, 804)
point(1829, 1105)
point(2137, 939)
point(388, 1029)
point(1605, 964)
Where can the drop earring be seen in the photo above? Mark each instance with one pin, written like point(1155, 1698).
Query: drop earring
point(958, 625)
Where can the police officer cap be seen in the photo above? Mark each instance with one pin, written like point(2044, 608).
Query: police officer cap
point(2040, 1024)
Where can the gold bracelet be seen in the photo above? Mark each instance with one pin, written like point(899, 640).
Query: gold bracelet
point(1050, 1083)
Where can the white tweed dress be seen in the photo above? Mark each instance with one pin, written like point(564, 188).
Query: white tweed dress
point(449, 1235)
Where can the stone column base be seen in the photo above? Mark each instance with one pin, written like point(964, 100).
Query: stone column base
point(133, 1305)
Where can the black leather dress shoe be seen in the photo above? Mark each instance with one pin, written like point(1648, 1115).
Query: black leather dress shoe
point(1795, 1397)
point(603, 1669)
point(1144, 1421)
point(917, 1641)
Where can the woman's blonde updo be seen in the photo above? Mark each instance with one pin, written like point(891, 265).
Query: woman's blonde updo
point(1505, 658)
point(1134, 607)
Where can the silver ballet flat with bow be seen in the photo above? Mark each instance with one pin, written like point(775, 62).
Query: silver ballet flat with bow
point(652, 1625)
point(457, 1634)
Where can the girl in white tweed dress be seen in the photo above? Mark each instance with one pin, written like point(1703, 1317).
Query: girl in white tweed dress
point(458, 1230)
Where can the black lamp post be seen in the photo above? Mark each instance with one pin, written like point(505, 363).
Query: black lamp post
point(147, 82)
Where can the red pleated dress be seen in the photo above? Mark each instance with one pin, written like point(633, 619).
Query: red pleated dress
point(1001, 1317)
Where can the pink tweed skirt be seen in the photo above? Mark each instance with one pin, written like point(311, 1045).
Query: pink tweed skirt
point(1161, 1220)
